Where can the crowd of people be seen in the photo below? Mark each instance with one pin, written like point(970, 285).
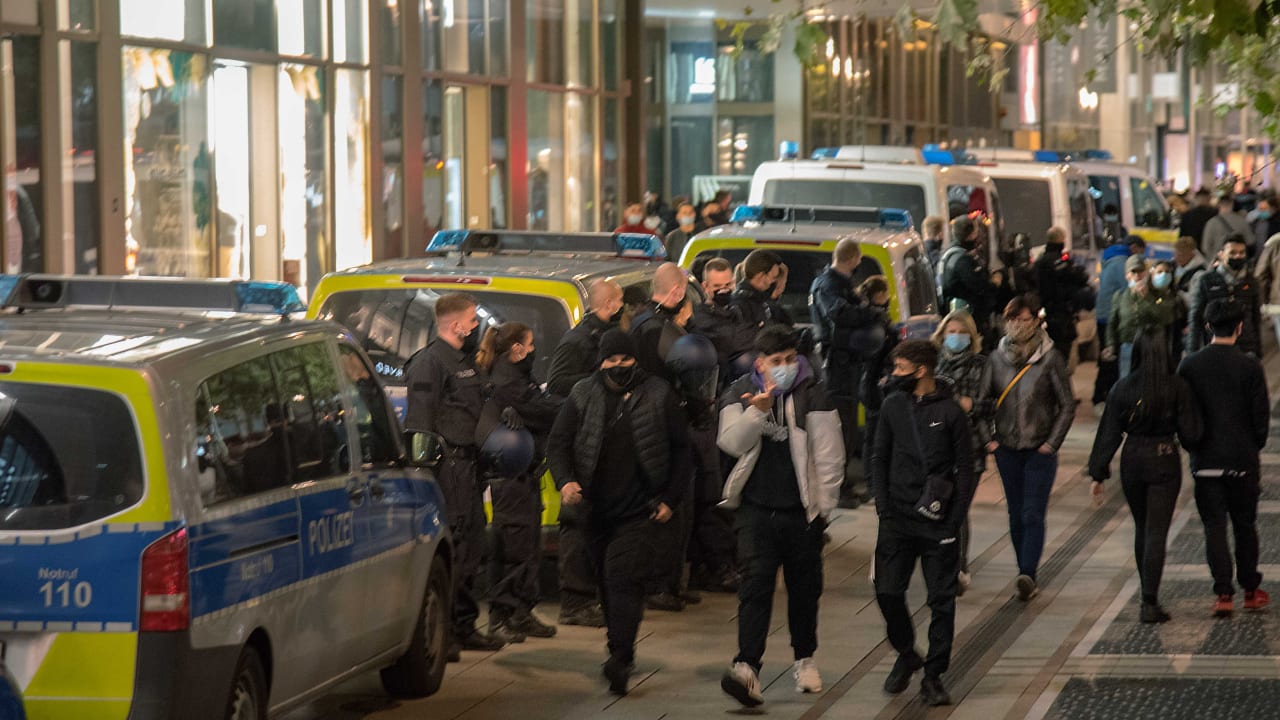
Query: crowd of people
point(676, 223)
point(702, 445)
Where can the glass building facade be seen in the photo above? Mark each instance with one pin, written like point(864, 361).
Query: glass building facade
point(282, 139)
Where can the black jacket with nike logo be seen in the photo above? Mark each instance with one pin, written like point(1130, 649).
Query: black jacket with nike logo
point(897, 470)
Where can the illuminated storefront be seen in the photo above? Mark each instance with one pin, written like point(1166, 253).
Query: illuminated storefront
point(288, 138)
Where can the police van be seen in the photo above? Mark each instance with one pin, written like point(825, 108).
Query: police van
point(805, 238)
point(539, 279)
point(205, 514)
point(922, 183)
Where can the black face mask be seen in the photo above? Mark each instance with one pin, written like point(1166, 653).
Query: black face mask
point(616, 318)
point(1237, 264)
point(900, 383)
point(621, 375)
point(471, 342)
point(722, 298)
point(526, 364)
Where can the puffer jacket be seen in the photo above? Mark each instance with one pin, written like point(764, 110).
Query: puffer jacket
point(813, 425)
point(1039, 408)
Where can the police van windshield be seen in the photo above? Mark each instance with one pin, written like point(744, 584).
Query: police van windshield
point(847, 193)
point(1082, 235)
point(392, 325)
point(802, 267)
point(1029, 209)
point(68, 456)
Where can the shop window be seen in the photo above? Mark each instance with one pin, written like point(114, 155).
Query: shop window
point(429, 35)
point(23, 185)
point(611, 41)
point(745, 78)
point(392, 26)
point(304, 197)
point(167, 162)
point(611, 168)
point(545, 40)
point(580, 163)
point(579, 27)
point(498, 165)
point(249, 24)
point(80, 185)
point(690, 152)
point(352, 236)
point(81, 16)
point(178, 20)
point(393, 181)
point(350, 31)
point(302, 27)
point(744, 143)
point(691, 72)
point(546, 160)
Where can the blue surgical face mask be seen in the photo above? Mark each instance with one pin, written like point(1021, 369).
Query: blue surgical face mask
point(1264, 215)
point(1160, 280)
point(956, 342)
point(784, 376)
point(1134, 283)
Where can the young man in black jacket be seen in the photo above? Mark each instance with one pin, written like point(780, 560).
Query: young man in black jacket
point(922, 475)
point(1232, 392)
point(616, 444)
point(756, 299)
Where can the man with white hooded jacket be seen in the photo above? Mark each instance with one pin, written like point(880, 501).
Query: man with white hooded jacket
point(784, 431)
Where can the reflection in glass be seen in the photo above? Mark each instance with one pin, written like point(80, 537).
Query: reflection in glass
point(81, 15)
point(180, 20)
point(546, 160)
point(392, 166)
point(690, 142)
point(498, 157)
point(744, 143)
point(691, 72)
point(302, 27)
point(249, 24)
point(430, 34)
point(24, 190)
point(392, 24)
point(433, 175)
point(475, 36)
point(231, 169)
point(351, 149)
point(579, 57)
point(545, 40)
point(610, 167)
point(303, 187)
point(167, 179)
point(579, 142)
point(611, 39)
point(455, 125)
point(81, 183)
point(350, 31)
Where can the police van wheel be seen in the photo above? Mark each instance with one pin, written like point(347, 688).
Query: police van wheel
point(248, 699)
point(419, 672)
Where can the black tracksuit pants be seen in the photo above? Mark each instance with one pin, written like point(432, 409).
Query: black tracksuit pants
point(513, 565)
point(1234, 498)
point(768, 540)
point(1151, 477)
point(899, 544)
point(625, 555)
point(464, 499)
point(578, 583)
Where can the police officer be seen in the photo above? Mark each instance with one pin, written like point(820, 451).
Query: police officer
point(1060, 282)
point(964, 276)
point(756, 299)
point(445, 397)
point(615, 447)
point(575, 359)
point(654, 328)
point(716, 320)
point(850, 330)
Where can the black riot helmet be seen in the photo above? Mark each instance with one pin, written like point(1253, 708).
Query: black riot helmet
point(744, 363)
point(506, 453)
point(694, 367)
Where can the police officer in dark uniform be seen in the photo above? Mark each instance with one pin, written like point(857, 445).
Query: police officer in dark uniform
point(654, 327)
point(445, 398)
point(716, 320)
point(575, 359)
point(756, 299)
point(1060, 282)
point(964, 276)
point(851, 330)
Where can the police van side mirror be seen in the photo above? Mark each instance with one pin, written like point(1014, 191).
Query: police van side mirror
point(425, 449)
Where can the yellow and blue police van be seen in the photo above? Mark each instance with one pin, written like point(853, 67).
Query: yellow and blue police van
point(805, 237)
point(536, 278)
point(204, 513)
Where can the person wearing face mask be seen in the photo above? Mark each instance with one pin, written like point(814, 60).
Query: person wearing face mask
point(615, 447)
point(922, 471)
point(782, 430)
point(1263, 221)
point(850, 330)
point(964, 279)
point(445, 397)
point(675, 241)
point(574, 360)
point(1026, 385)
point(1229, 279)
point(755, 300)
point(1139, 307)
point(506, 355)
point(654, 327)
point(961, 363)
point(716, 320)
point(633, 221)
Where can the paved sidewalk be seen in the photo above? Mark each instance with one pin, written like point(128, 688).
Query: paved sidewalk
point(1076, 651)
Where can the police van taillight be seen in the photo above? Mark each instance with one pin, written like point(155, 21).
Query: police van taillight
point(166, 597)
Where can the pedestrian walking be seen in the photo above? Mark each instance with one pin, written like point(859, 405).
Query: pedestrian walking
point(1111, 279)
point(506, 355)
point(1058, 282)
point(1227, 222)
point(1232, 393)
point(1267, 273)
point(1139, 307)
point(1151, 411)
point(614, 448)
point(1032, 410)
point(783, 430)
point(964, 280)
point(922, 472)
point(445, 395)
point(961, 363)
point(1229, 279)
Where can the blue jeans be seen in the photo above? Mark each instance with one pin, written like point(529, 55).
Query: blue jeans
point(1126, 358)
point(1028, 477)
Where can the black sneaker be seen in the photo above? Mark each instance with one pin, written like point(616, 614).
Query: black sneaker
point(532, 625)
point(589, 616)
point(932, 692)
point(667, 601)
point(618, 673)
point(478, 641)
point(1153, 613)
point(690, 596)
point(505, 633)
point(899, 678)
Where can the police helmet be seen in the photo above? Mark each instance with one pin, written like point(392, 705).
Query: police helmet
point(507, 453)
point(744, 363)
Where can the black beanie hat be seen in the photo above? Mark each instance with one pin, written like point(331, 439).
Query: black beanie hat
point(615, 342)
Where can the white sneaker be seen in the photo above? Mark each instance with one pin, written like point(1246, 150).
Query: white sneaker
point(743, 685)
point(805, 671)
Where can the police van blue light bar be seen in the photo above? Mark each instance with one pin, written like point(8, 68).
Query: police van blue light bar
point(895, 219)
point(825, 153)
point(519, 241)
point(747, 213)
point(34, 291)
point(935, 155)
point(887, 218)
point(1060, 156)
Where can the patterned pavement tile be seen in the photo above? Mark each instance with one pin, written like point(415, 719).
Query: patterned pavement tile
point(1109, 699)
point(1188, 547)
point(1193, 629)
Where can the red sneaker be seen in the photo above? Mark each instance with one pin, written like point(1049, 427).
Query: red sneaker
point(1256, 600)
point(1223, 606)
